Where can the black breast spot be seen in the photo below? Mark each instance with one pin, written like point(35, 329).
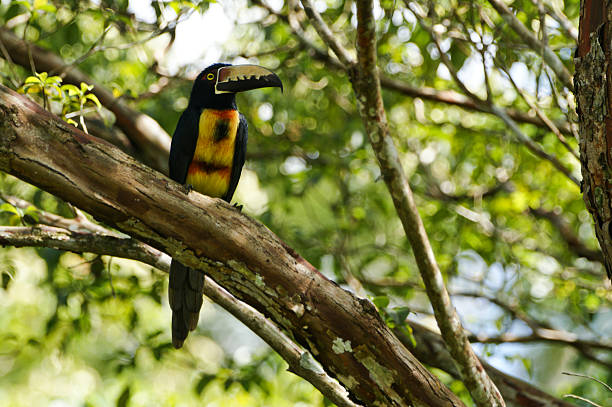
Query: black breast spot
point(221, 130)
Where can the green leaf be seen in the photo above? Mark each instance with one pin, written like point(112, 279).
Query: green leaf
point(49, 8)
point(53, 80)
point(381, 302)
point(124, 398)
point(527, 365)
point(409, 333)
point(39, 3)
point(175, 5)
point(399, 314)
point(25, 4)
point(8, 208)
point(33, 79)
point(70, 89)
point(203, 382)
point(94, 99)
point(85, 87)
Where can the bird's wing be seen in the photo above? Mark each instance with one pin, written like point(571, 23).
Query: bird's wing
point(183, 145)
point(240, 146)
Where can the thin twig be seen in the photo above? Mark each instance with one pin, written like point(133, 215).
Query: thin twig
point(8, 58)
point(534, 43)
point(449, 97)
point(563, 21)
point(326, 35)
point(564, 229)
point(589, 377)
point(540, 114)
point(573, 396)
point(494, 109)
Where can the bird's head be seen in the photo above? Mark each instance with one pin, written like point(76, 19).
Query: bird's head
point(216, 86)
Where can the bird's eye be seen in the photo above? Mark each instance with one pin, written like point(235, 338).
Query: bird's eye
point(210, 76)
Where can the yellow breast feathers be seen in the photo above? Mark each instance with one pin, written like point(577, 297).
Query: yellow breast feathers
point(211, 166)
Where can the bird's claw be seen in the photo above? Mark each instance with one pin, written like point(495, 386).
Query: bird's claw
point(239, 207)
point(189, 188)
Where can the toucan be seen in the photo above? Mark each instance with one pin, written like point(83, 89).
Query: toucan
point(207, 154)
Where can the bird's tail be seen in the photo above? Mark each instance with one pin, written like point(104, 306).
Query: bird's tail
point(185, 292)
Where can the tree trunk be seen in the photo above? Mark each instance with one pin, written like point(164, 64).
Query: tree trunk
point(593, 91)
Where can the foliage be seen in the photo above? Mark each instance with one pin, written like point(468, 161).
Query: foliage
point(91, 330)
point(72, 99)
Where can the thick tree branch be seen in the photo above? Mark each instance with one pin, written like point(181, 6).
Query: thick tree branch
point(344, 333)
point(150, 138)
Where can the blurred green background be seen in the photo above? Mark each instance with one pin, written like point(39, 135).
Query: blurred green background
point(87, 330)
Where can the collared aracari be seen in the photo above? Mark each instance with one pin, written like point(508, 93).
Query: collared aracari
point(207, 154)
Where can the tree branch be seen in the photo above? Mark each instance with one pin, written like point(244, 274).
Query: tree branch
point(327, 36)
point(430, 349)
point(448, 97)
point(151, 139)
point(563, 21)
point(532, 105)
point(366, 84)
point(573, 242)
point(240, 254)
point(300, 361)
point(451, 97)
point(79, 242)
point(543, 335)
point(551, 59)
point(496, 110)
point(593, 72)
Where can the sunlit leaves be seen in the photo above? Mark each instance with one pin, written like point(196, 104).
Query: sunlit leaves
point(42, 83)
point(73, 99)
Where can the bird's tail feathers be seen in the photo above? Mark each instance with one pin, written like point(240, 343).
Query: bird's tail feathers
point(185, 292)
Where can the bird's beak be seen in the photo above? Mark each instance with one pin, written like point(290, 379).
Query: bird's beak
point(238, 78)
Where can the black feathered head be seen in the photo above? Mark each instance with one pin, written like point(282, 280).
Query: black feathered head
point(216, 86)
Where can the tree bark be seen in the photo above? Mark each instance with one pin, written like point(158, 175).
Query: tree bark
point(343, 332)
point(593, 91)
point(151, 139)
point(428, 346)
point(366, 84)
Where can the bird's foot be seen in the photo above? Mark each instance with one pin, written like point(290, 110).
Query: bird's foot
point(188, 188)
point(239, 207)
